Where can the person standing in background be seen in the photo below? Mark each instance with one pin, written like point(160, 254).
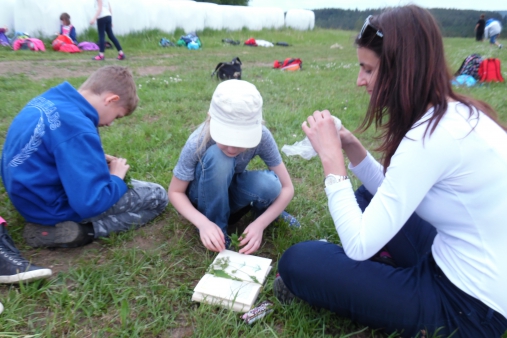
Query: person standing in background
point(103, 16)
point(479, 28)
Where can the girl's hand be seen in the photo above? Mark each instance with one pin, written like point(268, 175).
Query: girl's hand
point(92, 22)
point(321, 131)
point(212, 237)
point(251, 239)
point(346, 137)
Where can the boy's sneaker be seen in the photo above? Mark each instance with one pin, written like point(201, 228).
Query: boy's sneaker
point(281, 291)
point(13, 267)
point(98, 58)
point(289, 219)
point(1, 308)
point(121, 56)
point(63, 235)
point(500, 46)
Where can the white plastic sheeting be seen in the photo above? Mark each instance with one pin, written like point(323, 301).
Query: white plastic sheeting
point(41, 17)
point(7, 14)
point(300, 19)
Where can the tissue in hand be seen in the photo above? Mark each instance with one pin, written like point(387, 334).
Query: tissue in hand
point(304, 148)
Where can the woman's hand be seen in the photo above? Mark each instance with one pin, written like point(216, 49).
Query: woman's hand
point(212, 237)
point(251, 239)
point(321, 131)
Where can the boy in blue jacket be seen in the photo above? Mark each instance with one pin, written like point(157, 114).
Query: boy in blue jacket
point(57, 174)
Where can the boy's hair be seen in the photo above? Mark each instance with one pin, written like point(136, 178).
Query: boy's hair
point(65, 18)
point(117, 80)
point(483, 16)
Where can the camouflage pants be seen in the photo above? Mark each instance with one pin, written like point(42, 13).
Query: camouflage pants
point(140, 204)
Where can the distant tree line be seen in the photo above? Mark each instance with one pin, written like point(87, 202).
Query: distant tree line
point(453, 22)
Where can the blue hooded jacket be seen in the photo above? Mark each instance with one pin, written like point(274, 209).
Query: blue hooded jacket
point(53, 165)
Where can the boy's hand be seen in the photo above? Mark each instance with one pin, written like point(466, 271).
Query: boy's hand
point(109, 158)
point(212, 237)
point(251, 239)
point(118, 167)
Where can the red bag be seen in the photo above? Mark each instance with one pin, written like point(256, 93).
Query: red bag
point(251, 42)
point(60, 41)
point(66, 48)
point(289, 64)
point(489, 71)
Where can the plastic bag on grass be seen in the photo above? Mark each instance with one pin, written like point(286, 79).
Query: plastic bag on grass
point(304, 147)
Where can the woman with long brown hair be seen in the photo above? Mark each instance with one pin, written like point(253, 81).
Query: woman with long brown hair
point(435, 207)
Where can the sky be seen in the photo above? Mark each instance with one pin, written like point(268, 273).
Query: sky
point(489, 5)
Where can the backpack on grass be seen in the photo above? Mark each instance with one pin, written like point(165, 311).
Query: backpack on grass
point(489, 71)
point(228, 70)
point(289, 64)
point(470, 66)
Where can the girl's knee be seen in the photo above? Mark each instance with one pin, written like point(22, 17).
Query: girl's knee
point(215, 159)
point(269, 186)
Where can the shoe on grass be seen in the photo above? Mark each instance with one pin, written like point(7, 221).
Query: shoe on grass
point(13, 267)
point(282, 292)
point(289, 219)
point(121, 56)
point(63, 235)
point(1, 308)
point(500, 46)
point(98, 58)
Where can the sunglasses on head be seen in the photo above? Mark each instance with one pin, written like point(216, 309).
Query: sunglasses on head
point(367, 24)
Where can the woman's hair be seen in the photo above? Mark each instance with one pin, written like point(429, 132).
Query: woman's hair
point(65, 18)
point(412, 75)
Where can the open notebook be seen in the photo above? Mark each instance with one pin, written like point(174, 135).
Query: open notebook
point(233, 281)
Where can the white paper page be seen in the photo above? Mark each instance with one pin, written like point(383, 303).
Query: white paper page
point(244, 267)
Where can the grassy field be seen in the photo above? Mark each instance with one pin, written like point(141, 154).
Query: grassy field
point(139, 284)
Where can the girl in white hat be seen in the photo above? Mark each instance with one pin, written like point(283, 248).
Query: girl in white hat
point(211, 186)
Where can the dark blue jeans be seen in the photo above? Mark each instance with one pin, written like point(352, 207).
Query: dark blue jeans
point(217, 191)
point(413, 297)
point(104, 25)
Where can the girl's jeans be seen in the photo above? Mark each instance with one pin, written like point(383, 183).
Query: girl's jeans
point(414, 297)
point(217, 191)
point(104, 25)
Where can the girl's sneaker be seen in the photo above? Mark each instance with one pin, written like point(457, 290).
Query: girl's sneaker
point(98, 58)
point(121, 56)
point(289, 219)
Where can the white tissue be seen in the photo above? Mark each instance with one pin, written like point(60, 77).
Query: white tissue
point(304, 148)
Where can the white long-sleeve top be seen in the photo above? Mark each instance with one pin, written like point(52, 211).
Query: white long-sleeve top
point(455, 179)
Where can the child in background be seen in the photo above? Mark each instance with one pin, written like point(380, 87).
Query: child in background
point(66, 27)
point(103, 17)
point(210, 184)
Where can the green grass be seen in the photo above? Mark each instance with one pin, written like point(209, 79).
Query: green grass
point(139, 284)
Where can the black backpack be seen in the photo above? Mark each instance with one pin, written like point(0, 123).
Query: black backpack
point(228, 70)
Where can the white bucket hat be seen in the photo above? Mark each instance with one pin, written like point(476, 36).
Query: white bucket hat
point(236, 114)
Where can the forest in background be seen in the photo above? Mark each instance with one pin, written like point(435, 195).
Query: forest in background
point(453, 22)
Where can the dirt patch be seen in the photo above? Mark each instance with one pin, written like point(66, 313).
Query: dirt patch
point(61, 260)
point(48, 69)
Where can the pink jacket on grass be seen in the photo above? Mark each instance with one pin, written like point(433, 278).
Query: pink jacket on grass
point(38, 45)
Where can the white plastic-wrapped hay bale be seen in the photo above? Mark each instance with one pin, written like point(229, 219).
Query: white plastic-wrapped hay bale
point(300, 19)
point(257, 18)
point(131, 15)
point(232, 17)
point(268, 17)
point(7, 14)
point(188, 15)
point(212, 15)
point(42, 18)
